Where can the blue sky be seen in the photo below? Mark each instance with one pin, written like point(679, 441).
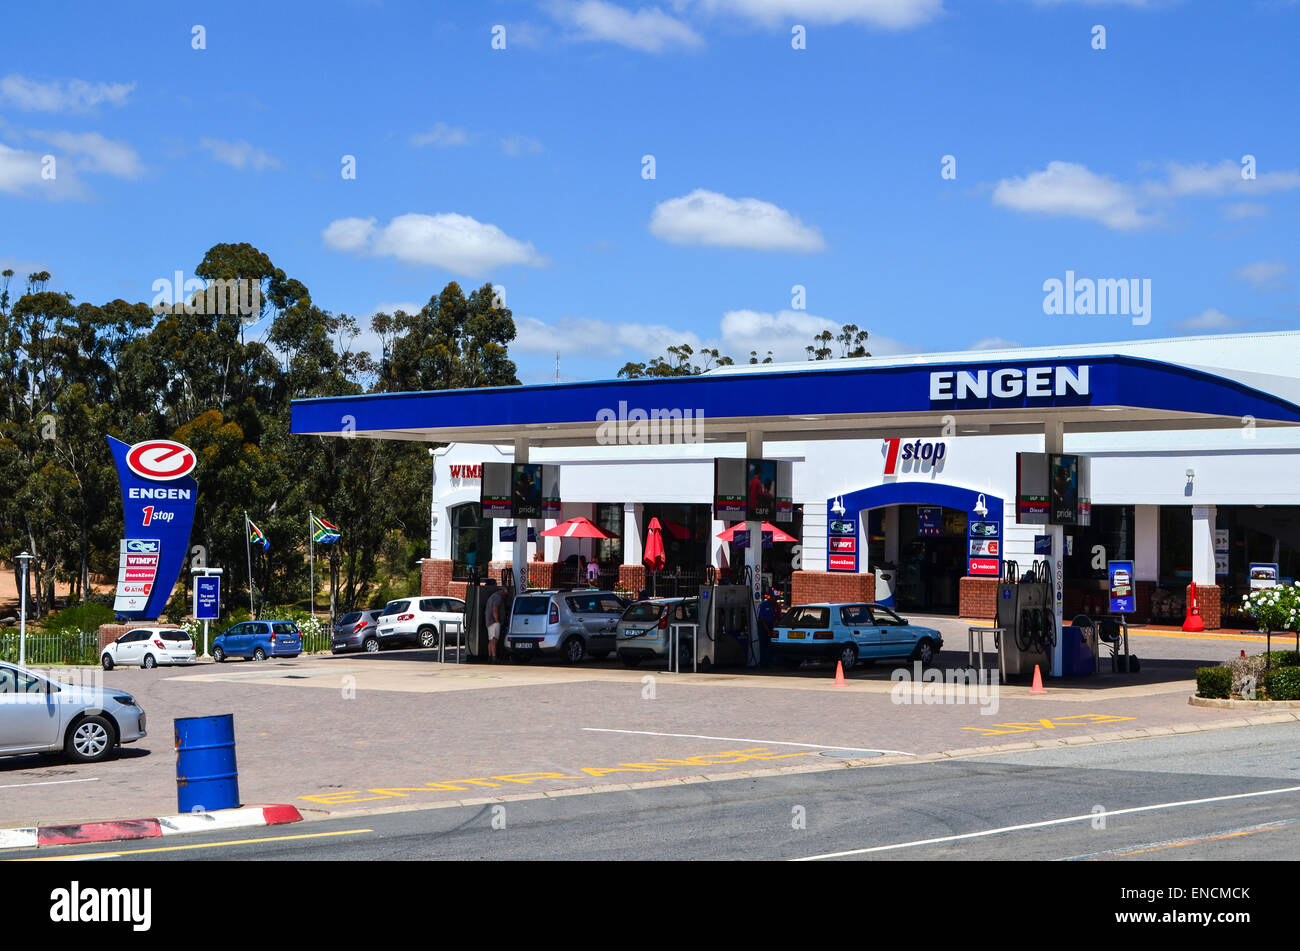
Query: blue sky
point(774, 166)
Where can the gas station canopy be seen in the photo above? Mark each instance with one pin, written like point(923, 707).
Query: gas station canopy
point(832, 400)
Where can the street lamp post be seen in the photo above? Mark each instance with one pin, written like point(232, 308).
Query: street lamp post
point(23, 560)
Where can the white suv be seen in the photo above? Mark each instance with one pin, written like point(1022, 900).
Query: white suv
point(148, 647)
point(416, 620)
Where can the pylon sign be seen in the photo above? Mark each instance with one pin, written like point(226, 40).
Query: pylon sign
point(158, 497)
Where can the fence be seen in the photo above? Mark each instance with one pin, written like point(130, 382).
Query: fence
point(75, 647)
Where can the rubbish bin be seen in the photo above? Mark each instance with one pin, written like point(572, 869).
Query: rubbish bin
point(206, 775)
point(1077, 659)
point(884, 585)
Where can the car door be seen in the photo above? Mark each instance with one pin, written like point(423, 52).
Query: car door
point(897, 639)
point(859, 626)
point(235, 643)
point(131, 648)
point(29, 711)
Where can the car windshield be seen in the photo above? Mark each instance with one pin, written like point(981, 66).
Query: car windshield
point(285, 627)
point(350, 618)
point(805, 616)
point(531, 605)
point(643, 611)
point(169, 635)
point(396, 607)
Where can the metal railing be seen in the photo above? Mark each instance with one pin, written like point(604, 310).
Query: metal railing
point(442, 640)
point(675, 642)
point(311, 643)
point(972, 633)
point(76, 647)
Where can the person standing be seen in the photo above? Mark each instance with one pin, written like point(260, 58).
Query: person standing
point(492, 614)
point(593, 573)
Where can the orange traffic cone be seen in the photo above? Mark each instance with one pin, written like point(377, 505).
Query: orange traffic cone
point(1193, 622)
point(1038, 681)
point(839, 674)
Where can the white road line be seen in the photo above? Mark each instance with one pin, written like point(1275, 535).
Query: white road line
point(52, 782)
point(1087, 817)
point(741, 739)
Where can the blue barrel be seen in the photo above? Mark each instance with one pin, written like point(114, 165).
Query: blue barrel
point(206, 775)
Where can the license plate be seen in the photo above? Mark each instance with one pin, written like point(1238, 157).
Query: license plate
point(795, 635)
point(524, 644)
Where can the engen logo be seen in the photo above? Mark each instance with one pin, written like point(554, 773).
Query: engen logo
point(913, 456)
point(160, 460)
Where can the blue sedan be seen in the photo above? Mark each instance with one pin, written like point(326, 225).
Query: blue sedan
point(849, 632)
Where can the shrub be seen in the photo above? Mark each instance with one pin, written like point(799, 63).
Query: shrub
point(1283, 683)
point(87, 616)
point(1274, 609)
point(1214, 682)
point(1285, 658)
point(1247, 675)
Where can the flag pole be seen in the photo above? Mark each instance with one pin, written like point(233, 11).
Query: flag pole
point(311, 555)
point(248, 550)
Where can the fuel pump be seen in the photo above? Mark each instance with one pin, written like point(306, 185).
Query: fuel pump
point(1024, 613)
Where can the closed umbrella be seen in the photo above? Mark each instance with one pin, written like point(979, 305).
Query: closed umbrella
point(654, 547)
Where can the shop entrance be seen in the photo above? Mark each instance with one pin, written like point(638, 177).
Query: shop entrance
point(931, 557)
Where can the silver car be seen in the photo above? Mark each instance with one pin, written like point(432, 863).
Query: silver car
point(643, 631)
point(87, 721)
point(573, 624)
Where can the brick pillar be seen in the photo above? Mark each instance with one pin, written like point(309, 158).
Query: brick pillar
point(632, 578)
point(1142, 591)
point(541, 574)
point(1209, 597)
point(977, 597)
point(435, 577)
point(809, 587)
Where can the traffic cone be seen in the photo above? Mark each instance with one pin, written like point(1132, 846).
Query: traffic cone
point(839, 674)
point(1038, 681)
point(1193, 622)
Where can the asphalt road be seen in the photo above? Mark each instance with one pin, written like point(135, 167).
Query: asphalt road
point(1231, 794)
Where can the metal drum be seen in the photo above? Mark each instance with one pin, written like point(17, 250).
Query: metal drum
point(206, 775)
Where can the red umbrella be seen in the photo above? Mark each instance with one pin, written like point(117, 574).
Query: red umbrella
point(577, 527)
point(654, 547)
point(768, 529)
point(676, 530)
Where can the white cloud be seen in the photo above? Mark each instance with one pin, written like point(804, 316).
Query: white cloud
point(57, 96)
point(20, 174)
point(97, 153)
point(1223, 178)
point(1245, 209)
point(442, 136)
point(887, 14)
point(579, 335)
point(786, 333)
point(995, 343)
point(238, 154)
point(1064, 188)
point(1262, 275)
point(456, 243)
point(705, 217)
point(521, 145)
point(649, 29)
point(1210, 320)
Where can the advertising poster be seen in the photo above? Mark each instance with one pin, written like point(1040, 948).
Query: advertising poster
point(1123, 600)
point(494, 490)
point(729, 490)
point(1064, 478)
point(929, 520)
point(158, 497)
point(1032, 505)
point(842, 544)
point(1221, 551)
point(1263, 575)
point(984, 566)
point(508, 533)
point(550, 492)
point(525, 490)
point(207, 597)
point(760, 489)
point(784, 492)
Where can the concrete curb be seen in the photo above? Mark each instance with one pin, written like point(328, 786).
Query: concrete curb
point(126, 829)
point(1219, 703)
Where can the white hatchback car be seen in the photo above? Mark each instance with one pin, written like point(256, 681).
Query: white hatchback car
point(148, 647)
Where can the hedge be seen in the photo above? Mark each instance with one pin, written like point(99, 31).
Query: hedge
point(1214, 682)
point(1283, 683)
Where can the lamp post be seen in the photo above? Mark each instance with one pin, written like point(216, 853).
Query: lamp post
point(23, 560)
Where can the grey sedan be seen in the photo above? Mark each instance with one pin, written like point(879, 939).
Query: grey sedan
point(87, 721)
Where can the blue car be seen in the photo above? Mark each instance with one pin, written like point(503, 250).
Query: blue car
point(849, 632)
point(258, 640)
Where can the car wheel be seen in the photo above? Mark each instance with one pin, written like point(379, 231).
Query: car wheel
point(630, 660)
point(218, 655)
point(259, 654)
point(371, 645)
point(107, 661)
point(924, 652)
point(90, 740)
point(149, 662)
point(574, 650)
point(428, 637)
point(849, 657)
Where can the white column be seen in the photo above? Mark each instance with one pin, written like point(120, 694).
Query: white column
point(716, 544)
point(519, 552)
point(754, 551)
point(633, 537)
point(1146, 543)
point(1203, 544)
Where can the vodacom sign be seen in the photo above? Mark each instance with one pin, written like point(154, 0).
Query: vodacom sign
point(160, 460)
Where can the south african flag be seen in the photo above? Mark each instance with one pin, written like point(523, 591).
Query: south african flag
point(323, 532)
point(255, 535)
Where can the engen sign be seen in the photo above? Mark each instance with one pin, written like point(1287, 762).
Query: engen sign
point(158, 496)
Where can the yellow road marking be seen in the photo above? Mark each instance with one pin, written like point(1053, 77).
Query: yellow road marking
point(1050, 723)
point(207, 845)
point(1175, 845)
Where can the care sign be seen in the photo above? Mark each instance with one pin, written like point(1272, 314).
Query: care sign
point(158, 496)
